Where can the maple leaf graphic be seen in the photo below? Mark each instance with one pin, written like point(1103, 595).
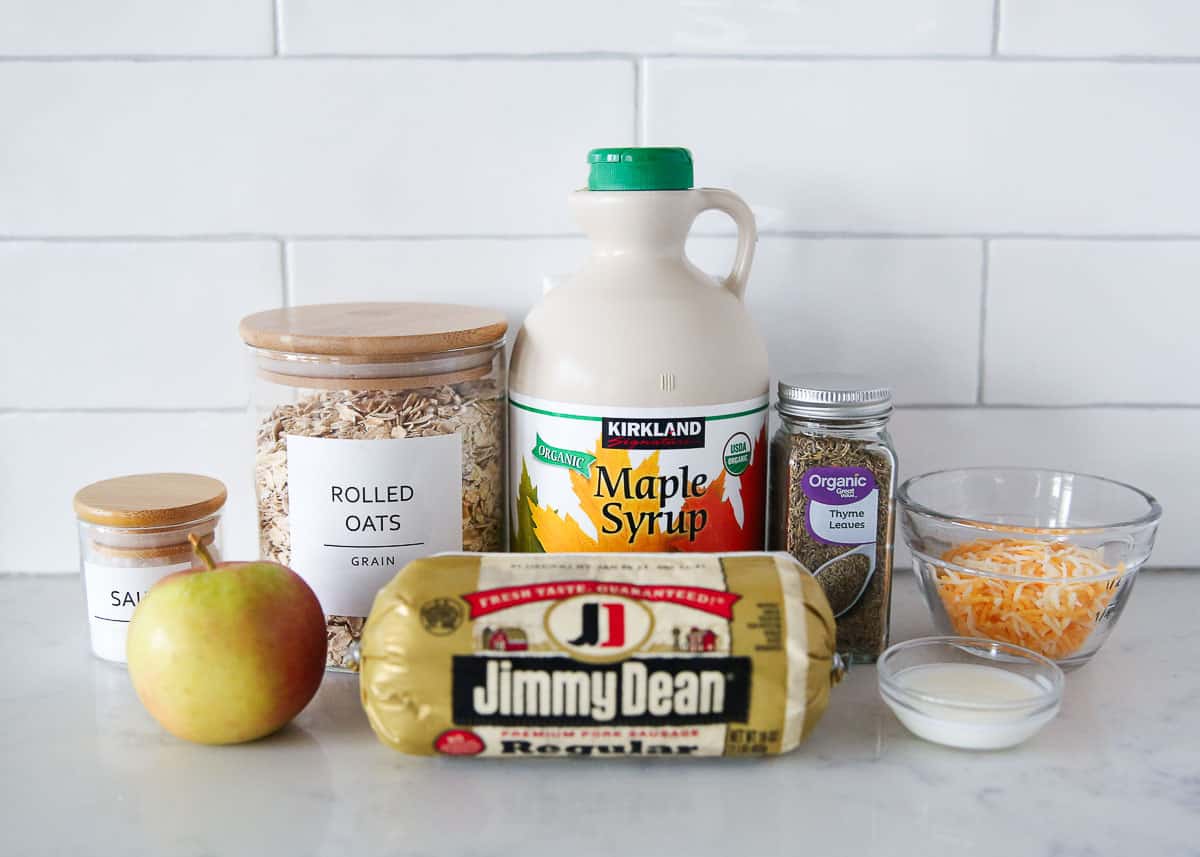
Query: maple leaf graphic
point(563, 534)
point(523, 538)
point(723, 532)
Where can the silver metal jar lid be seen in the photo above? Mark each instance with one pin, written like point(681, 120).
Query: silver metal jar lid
point(834, 397)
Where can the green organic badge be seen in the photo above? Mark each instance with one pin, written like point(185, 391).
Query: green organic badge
point(737, 454)
point(580, 462)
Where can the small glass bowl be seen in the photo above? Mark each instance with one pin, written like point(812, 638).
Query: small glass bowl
point(965, 711)
point(977, 534)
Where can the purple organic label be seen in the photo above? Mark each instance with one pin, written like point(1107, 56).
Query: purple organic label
point(842, 505)
point(837, 486)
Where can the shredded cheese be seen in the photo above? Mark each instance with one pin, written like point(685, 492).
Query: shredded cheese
point(1049, 613)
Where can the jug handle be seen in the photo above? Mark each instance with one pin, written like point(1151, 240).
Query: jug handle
point(730, 203)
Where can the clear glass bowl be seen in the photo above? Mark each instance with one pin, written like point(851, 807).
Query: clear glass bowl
point(974, 694)
point(1043, 559)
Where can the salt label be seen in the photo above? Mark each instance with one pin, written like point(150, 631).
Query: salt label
point(113, 592)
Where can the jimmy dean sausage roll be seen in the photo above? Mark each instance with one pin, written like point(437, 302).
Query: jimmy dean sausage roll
point(527, 655)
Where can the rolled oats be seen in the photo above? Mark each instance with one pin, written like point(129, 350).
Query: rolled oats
point(471, 409)
point(380, 439)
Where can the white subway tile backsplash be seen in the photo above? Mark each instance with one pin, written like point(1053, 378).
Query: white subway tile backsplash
point(904, 311)
point(125, 325)
point(507, 275)
point(639, 26)
point(139, 27)
point(1143, 28)
point(1154, 450)
point(853, 305)
point(962, 147)
point(302, 146)
point(1084, 322)
point(48, 457)
point(397, 152)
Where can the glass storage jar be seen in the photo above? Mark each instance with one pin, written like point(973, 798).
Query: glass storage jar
point(133, 531)
point(833, 478)
point(380, 439)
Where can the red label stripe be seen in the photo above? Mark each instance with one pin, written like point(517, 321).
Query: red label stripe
point(714, 601)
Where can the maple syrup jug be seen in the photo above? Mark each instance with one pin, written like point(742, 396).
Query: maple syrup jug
point(638, 389)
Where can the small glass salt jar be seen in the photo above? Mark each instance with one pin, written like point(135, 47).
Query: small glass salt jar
point(133, 531)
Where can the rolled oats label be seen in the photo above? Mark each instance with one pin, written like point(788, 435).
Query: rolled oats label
point(473, 410)
point(599, 478)
point(361, 509)
point(113, 592)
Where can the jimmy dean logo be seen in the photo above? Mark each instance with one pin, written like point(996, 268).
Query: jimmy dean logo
point(667, 433)
point(557, 691)
point(599, 628)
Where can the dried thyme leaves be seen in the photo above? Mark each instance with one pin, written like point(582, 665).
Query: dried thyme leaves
point(843, 580)
point(861, 603)
point(472, 409)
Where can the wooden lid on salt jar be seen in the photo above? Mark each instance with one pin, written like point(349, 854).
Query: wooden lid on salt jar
point(147, 517)
point(150, 500)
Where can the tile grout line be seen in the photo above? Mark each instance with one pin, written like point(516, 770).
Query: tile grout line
point(277, 23)
point(285, 271)
point(995, 28)
point(222, 409)
point(984, 281)
point(1030, 406)
point(600, 56)
point(806, 234)
point(834, 234)
point(638, 73)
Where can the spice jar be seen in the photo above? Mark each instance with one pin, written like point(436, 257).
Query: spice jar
point(380, 439)
point(133, 531)
point(833, 486)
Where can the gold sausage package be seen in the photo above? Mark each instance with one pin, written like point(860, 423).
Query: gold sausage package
point(556, 655)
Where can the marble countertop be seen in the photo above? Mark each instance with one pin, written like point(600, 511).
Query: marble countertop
point(86, 771)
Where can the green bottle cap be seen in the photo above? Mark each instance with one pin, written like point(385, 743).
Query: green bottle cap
point(640, 168)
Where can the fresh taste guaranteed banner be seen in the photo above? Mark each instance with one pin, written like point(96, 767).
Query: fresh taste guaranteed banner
point(595, 478)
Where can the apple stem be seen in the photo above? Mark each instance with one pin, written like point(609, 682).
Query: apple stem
point(202, 552)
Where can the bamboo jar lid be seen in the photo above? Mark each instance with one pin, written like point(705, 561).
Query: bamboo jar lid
point(150, 500)
point(373, 331)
